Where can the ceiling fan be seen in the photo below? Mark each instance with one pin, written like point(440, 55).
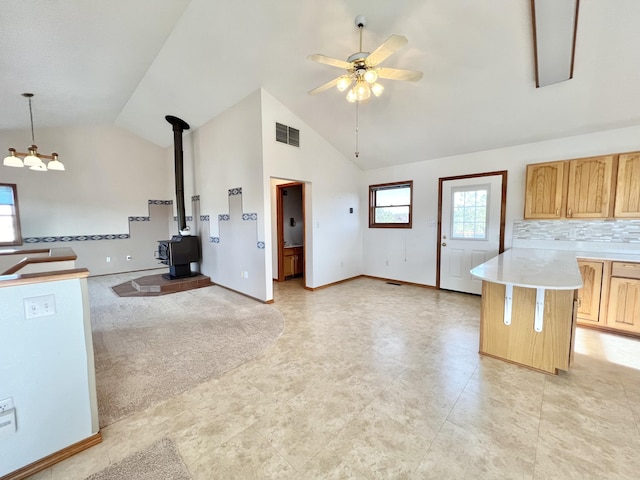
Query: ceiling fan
point(363, 70)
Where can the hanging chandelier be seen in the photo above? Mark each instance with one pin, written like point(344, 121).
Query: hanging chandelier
point(32, 159)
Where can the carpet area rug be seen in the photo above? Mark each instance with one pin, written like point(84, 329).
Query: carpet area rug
point(148, 349)
point(160, 461)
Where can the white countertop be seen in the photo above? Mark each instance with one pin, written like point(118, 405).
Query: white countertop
point(533, 268)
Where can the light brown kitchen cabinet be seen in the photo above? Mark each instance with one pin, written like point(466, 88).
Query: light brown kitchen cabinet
point(624, 304)
point(580, 188)
point(544, 193)
point(589, 187)
point(589, 294)
point(627, 204)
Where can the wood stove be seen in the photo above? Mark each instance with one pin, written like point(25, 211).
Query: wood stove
point(183, 249)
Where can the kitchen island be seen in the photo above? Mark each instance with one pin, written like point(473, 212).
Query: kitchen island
point(528, 307)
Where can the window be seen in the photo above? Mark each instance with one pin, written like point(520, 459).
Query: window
point(390, 205)
point(9, 217)
point(469, 212)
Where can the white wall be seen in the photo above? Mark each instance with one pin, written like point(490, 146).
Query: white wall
point(419, 243)
point(227, 154)
point(46, 367)
point(333, 236)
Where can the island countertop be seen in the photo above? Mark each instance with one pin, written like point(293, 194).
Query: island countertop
point(532, 268)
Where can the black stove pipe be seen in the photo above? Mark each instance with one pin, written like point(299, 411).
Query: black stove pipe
point(179, 126)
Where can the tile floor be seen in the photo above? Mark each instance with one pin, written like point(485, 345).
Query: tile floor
point(371, 380)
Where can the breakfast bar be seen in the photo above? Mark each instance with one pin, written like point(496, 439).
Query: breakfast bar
point(528, 307)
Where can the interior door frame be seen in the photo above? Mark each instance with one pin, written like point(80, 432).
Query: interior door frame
point(280, 230)
point(503, 213)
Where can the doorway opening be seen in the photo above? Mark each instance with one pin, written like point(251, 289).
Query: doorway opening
point(471, 223)
point(290, 200)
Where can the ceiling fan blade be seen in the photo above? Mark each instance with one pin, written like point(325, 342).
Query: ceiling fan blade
point(324, 87)
point(397, 74)
point(334, 62)
point(388, 47)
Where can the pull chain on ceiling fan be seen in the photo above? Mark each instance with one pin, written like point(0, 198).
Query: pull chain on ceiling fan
point(363, 70)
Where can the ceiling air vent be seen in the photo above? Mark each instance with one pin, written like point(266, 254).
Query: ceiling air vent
point(285, 134)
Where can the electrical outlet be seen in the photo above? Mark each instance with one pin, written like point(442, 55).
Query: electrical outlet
point(39, 306)
point(6, 404)
point(108, 259)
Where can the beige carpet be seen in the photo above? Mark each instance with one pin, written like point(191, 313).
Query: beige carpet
point(148, 349)
point(161, 461)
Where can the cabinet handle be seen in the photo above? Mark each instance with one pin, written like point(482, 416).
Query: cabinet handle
point(557, 212)
point(570, 213)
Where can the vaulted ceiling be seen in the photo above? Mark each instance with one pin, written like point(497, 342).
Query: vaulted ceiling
point(131, 62)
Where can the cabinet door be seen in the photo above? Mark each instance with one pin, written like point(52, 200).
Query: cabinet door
point(624, 304)
point(589, 294)
point(589, 189)
point(628, 186)
point(544, 190)
point(289, 265)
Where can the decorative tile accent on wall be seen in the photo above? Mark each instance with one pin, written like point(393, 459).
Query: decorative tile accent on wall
point(188, 218)
point(195, 198)
point(76, 238)
point(231, 216)
point(105, 236)
point(614, 231)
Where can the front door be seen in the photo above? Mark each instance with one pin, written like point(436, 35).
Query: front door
point(471, 227)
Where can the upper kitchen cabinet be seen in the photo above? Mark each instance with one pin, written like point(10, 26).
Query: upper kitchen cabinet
point(589, 189)
point(580, 188)
point(627, 203)
point(544, 192)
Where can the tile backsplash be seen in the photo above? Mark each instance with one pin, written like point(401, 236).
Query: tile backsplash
point(613, 231)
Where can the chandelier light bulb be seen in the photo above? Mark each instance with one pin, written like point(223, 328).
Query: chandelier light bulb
point(370, 76)
point(12, 160)
point(377, 89)
point(352, 96)
point(55, 164)
point(343, 83)
point(32, 159)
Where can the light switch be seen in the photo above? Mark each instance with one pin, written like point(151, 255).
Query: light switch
point(40, 306)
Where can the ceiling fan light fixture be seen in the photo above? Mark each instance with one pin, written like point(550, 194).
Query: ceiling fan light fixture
point(377, 89)
point(344, 82)
point(12, 160)
point(363, 91)
point(371, 76)
point(352, 96)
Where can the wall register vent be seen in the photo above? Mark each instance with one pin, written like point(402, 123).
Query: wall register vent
point(285, 134)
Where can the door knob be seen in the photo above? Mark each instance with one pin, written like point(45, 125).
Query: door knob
point(444, 244)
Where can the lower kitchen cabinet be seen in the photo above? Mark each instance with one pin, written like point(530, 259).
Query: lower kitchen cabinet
point(623, 312)
point(590, 293)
